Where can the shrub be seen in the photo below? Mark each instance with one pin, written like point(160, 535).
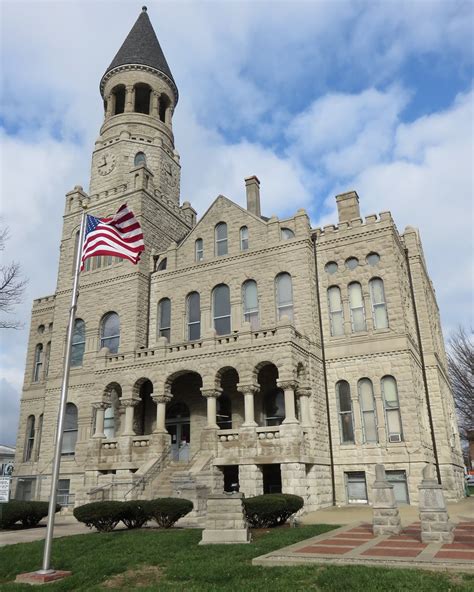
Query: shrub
point(271, 509)
point(168, 510)
point(104, 516)
point(28, 513)
point(135, 513)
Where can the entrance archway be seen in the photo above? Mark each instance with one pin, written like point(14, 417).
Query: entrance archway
point(178, 424)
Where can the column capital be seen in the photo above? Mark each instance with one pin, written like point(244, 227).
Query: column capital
point(162, 398)
point(129, 402)
point(248, 389)
point(211, 393)
point(287, 384)
point(304, 391)
point(100, 405)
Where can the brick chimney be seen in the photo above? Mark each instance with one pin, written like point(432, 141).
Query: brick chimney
point(252, 185)
point(348, 206)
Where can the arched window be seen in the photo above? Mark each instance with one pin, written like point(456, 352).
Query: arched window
point(164, 104)
point(367, 410)
point(46, 358)
point(109, 422)
point(40, 434)
point(224, 412)
point(38, 362)
point(119, 99)
point(139, 159)
point(221, 239)
point(287, 233)
point(356, 303)
point(274, 407)
point(193, 307)
point(392, 409)
point(244, 238)
point(336, 312)
point(30, 438)
point(221, 309)
point(164, 318)
point(379, 308)
point(162, 264)
point(78, 343)
point(142, 98)
point(199, 249)
point(250, 302)
point(284, 296)
point(110, 332)
point(68, 447)
point(344, 403)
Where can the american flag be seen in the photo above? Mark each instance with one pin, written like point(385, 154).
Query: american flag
point(120, 236)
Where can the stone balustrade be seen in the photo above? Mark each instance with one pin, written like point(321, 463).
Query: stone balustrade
point(109, 444)
point(268, 433)
point(141, 441)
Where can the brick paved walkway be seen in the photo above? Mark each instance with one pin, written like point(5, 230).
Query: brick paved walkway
point(356, 545)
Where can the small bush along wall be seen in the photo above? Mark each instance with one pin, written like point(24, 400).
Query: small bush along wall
point(168, 510)
point(271, 509)
point(102, 515)
point(29, 514)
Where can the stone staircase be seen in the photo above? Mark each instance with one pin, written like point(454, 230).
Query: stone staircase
point(161, 485)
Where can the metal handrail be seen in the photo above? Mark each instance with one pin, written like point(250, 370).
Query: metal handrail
point(151, 473)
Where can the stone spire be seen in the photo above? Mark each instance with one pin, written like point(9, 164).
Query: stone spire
point(141, 48)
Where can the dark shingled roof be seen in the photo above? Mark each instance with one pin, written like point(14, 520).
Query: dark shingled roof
point(141, 47)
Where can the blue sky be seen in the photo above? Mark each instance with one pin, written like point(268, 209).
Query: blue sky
point(313, 97)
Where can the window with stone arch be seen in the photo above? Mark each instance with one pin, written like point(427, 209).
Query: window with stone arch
point(244, 238)
point(367, 410)
point(38, 363)
point(344, 405)
point(110, 332)
point(220, 232)
point(357, 308)
point(164, 318)
point(118, 98)
point(221, 309)
point(391, 405)
point(250, 304)
point(142, 98)
point(199, 249)
point(68, 447)
point(336, 311)
point(193, 314)
point(78, 343)
point(379, 307)
point(284, 296)
point(30, 438)
point(139, 159)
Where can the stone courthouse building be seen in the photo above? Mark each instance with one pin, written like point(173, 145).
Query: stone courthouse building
point(243, 350)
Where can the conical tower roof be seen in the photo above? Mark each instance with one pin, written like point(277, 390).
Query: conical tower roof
point(141, 47)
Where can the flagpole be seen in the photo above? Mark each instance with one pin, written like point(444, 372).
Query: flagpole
point(46, 567)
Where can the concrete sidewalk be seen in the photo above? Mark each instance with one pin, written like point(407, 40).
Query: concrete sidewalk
point(63, 526)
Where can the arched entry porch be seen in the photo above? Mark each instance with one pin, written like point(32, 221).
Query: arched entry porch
point(178, 426)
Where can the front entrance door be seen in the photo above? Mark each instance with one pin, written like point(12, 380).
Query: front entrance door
point(179, 428)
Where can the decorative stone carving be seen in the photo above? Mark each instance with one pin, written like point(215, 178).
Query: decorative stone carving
point(386, 517)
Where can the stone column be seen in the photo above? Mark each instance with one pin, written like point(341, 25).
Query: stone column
point(161, 401)
point(211, 397)
point(289, 387)
point(386, 517)
point(110, 105)
point(129, 98)
point(155, 104)
point(100, 408)
point(435, 524)
point(129, 405)
point(304, 394)
point(248, 390)
point(168, 115)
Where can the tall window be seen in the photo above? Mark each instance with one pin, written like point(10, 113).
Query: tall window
point(38, 362)
point(284, 295)
point(367, 410)
point(109, 422)
point(194, 316)
point(221, 309)
point(250, 301)
point(274, 407)
point(244, 238)
point(139, 159)
point(46, 358)
point(221, 239)
point(224, 412)
point(336, 313)
point(356, 303)
point(110, 332)
point(78, 343)
point(164, 318)
point(379, 308)
point(392, 409)
point(39, 435)
point(199, 249)
point(68, 447)
point(30, 438)
point(346, 423)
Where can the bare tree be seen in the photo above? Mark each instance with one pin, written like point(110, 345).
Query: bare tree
point(461, 371)
point(12, 286)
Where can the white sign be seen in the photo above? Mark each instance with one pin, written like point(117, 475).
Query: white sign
point(4, 489)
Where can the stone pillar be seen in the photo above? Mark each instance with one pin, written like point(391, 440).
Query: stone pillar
point(386, 517)
point(289, 387)
point(248, 390)
point(168, 115)
point(211, 397)
point(304, 394)
point(129, 405)
point(161, 401)
point(293, 479)
point(100, 408)
point(435, 524)
point(250, 480)
point(225, 520)
point(110, 105)
point(155, 104)
point(129, 98)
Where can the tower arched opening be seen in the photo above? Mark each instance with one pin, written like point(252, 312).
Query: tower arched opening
point(118, 94)
point(164, 104)
point(142, 98)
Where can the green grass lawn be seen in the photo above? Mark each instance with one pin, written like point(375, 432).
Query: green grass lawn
point(171, 560)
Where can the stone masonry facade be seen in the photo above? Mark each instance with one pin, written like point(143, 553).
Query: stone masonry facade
point(242, 352)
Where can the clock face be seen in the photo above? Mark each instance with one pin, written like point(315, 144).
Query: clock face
point(169, 174)
point(106, 164)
